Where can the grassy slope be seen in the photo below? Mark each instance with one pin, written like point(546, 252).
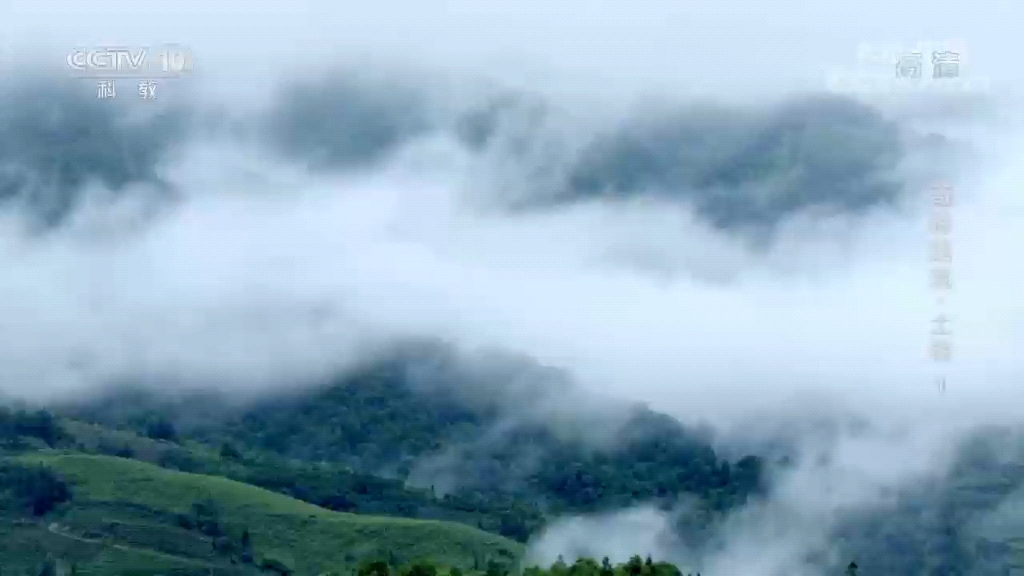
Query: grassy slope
point(24, 545)
point(318, 480)
point(309, 538)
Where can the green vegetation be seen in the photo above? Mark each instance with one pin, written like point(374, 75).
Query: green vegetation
point(636, 566)
point(369, 441)
point(129, 517)
point(125, 511)
point(137, 483)
point(321, 481)
point(35, 490)
point(22, 429)
point(329, 485)
point(66, 508)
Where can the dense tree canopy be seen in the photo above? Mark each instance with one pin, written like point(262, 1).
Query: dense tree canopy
point(384, 444)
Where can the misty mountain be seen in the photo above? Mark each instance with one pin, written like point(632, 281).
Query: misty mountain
point(57, 139)
point(738, 168)
point(390, 418)
point(741, 168)
point(513, 478)
point(342, 123)
point(964, 521)
point(702, 239)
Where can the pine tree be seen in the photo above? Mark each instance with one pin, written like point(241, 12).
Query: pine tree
point(635, 566)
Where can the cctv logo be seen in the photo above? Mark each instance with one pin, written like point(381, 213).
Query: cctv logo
point(123, 62)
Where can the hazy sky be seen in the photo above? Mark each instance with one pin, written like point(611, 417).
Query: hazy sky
point(689, 47)
point(854, 311)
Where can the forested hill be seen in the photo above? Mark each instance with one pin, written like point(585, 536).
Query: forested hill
point(437, 430)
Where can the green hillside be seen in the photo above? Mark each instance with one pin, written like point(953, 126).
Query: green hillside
point(330, 485)
point(433, 421)
point(126, 512)
point(311, 475)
